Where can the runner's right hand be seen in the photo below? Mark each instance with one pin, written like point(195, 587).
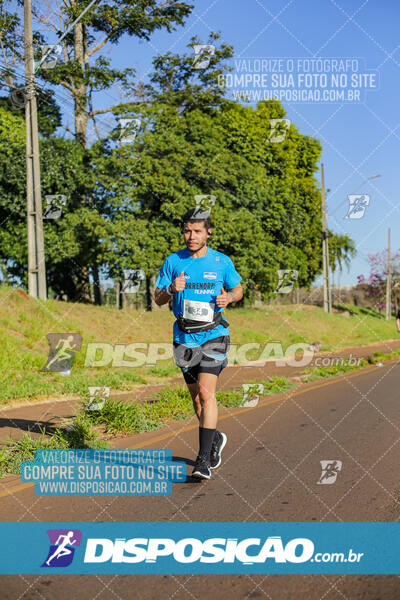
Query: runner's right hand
point(178, 285)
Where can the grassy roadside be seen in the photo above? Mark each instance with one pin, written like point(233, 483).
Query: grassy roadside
point(89, 428)
point(25, 322)
point(80, 434)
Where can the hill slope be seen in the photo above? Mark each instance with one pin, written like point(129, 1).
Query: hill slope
point(25, 322)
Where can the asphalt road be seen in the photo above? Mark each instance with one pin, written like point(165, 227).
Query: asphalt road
point(270, 470)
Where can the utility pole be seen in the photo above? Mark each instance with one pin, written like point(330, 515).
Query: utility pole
point(117, 294)
point(388, 284)
point(36, 262)
point(325, 246)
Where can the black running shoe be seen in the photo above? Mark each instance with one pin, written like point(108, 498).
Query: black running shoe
point(216, 449)
point(201, 468)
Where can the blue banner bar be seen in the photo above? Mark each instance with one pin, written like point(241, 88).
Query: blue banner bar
point(213, 548)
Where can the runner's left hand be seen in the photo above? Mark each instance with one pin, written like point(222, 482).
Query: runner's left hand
point(223, 299)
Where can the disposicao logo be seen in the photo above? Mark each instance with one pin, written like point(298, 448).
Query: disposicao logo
point(209, 275)
point(191, 550)
point(62, 547)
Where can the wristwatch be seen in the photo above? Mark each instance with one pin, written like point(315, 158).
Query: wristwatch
point(168, 290)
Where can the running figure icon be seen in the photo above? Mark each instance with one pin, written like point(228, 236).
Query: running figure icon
point(62, 351)
point(63, 347)
point(62, 549)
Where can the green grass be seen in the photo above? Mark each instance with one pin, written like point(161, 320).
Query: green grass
point(277, 385)
point(170, 404)
point(81, 434)
point(24, 348)
point(119, 417)
point(333, 370)
point(316, 373)
point(361, 310)
point(136, 417)
point(24, 324)
point(381, 356)
point(30, 385)
point(169, 370)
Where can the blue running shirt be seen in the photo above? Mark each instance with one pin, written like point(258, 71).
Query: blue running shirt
point(204, 277)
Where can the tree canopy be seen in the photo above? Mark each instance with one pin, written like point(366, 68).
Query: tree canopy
point(125, 199)
point(267, 210)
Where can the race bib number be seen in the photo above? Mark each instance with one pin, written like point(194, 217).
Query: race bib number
point(198, 311)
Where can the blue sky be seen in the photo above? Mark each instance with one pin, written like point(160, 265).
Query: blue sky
point(359, 138)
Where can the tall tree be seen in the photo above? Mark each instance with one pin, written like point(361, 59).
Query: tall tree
point(70, 239)
point(11, 43)
point(84, 70)
point(267, 211)
point(193, 141)
point(341, 250)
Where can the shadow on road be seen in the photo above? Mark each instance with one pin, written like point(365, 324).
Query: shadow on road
point(29, 425)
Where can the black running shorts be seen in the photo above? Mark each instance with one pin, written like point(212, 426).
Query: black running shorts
point(210, 357)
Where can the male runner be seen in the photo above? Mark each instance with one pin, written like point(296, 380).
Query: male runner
point(196, 278)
